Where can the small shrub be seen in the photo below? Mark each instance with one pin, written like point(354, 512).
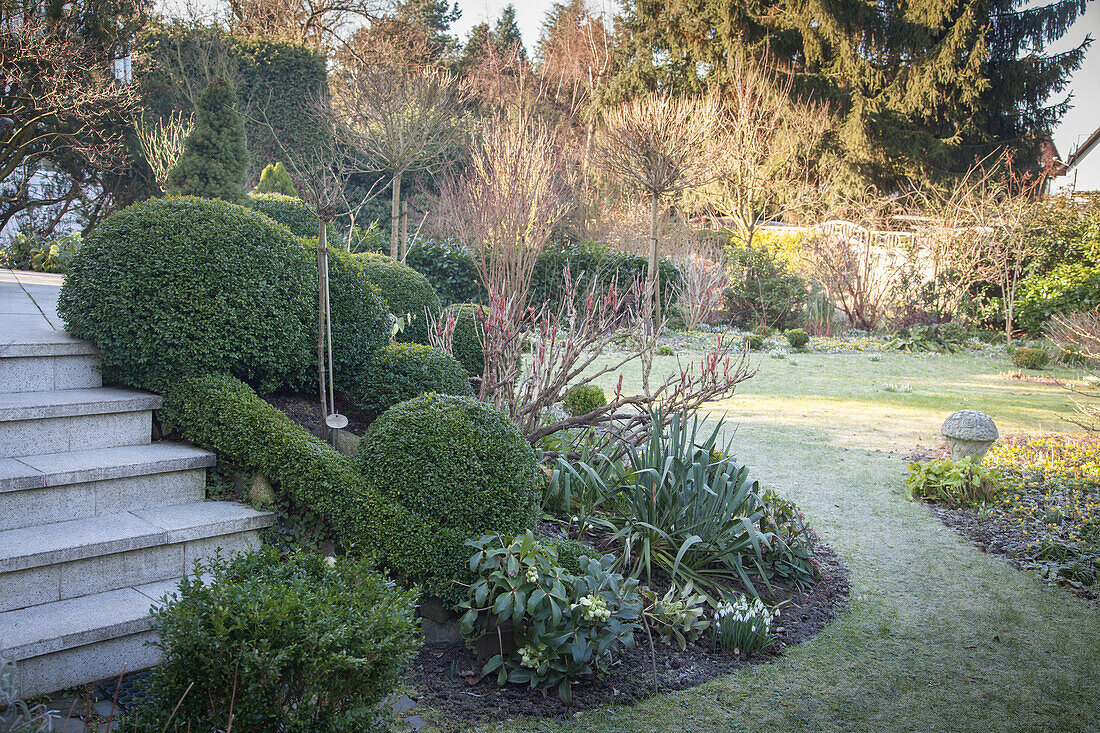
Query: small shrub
point(283, 644)
point(293, 213)
point(27, 253)
point(1027, 357)
point(400, 372)
point(449, 268)
point(664, 350)
point(957, 483)
point(677, 617)
point(466, 345)
point(458, 461)
point(16, 715)
point(742, 627)
point(274, 178)
point(564, 626)
point(171, 287)
point(583, 399)
point(797, 338)
point(762, 289)
point(408, 295)
point(754, 341)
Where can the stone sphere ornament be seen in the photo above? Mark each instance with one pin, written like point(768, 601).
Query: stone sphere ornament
point(969, 433)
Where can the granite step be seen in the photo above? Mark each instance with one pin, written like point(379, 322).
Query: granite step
point(57, 421)
point(59, 487)
point(70, 642)
point(49, 372)
point(61, 560)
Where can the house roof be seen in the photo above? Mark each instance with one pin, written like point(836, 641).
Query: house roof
point(1085, 147)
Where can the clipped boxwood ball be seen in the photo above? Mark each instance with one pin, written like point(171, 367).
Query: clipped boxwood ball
point(454, 459)
point(798, 338)
point(408, 294)
point(1027, 357)
point(400, 372)
point(179, 286)
point(583, 399)
point(293, 213)
point(466, 344)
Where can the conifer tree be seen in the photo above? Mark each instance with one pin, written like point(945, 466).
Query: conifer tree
point(214, 162)
point(506, 33)
point(275, 179)
point(922, 86)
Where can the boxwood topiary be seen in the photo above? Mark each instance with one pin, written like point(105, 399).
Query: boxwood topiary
point(178, 286)
point(276, 643)
point(456, 460)
point(400, 372)
point(448, 267)
point(408, 294)
point(583, 399)
point(1026, 357)
point(466, 344)
point(798, 338)
point(361, 325)
point(293, 213)
point(221, 414)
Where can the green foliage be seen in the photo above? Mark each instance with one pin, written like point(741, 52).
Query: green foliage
point(754, 341)
point(588, 261)
point(172, 287)
point(281, 644)
point(27, 253)
point(293, 213)
point(677, 617)
point(938, 337)
point(450, 270)
point(1072, 356)
point(742, 627)
point(1027, 357)
point(221, 414)
point(1065, 230)
point(274, 178)
point(361, 326)
point(466, 343)
point(797, 338)
point(583, 399)
point(762, 290)
point(280, 78)
point(399, 372)
point(569, 552)
point(214, 162)
point(956, 483)
point(458, 461)
point(1068, 287)
point(408, 295)
point(565, 626)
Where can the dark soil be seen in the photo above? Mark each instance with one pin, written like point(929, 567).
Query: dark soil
point(305, 410)
point(445, 675)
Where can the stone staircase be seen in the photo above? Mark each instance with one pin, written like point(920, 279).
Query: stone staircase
point(97, 523)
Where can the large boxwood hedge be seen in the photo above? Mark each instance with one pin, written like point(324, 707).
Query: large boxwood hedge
point(408, 294)
point(400, 372)
point(293, 213)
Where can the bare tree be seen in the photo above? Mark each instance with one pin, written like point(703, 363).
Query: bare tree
point(161, 143)
point(659, 145)
point(503, 208)
point(1081, 330)
point(321, 24)
point(767, 150)
point(58, 97)
point(404, 121)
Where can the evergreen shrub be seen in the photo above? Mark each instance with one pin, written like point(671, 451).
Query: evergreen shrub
point(1027, 357)
point(797, 338)
point(449, 268)
point(400, 372)
point(171, 287)
point(409, 295)
point(762, 290)
point(458, 461)
point(466, 343)
point(583, 399)
point(281, 643)
point(274, 178)
point(214, 161)
point(293, 213)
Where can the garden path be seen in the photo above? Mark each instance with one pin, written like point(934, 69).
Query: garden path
point(938, 635)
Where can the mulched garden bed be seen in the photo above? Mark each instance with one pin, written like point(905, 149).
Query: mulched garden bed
point(451, 695)
point(305, 410)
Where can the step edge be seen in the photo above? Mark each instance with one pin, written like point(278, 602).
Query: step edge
point(37, 479)
point(137, 402)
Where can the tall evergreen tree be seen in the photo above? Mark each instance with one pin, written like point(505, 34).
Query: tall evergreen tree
point(432, 19)
point(506, 33)
point(922, 86)
point(214, 162)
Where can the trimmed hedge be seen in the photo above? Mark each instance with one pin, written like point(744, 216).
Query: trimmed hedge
point(361, 325)
point(400, 372)
point(456, 460)
point(293, 213)
point(407, 293)
point(281, 643)
point(1027, 357)
point(466, 343)
point(172, 287)
point(449, 268)
point(223, 415)
point(583, 399)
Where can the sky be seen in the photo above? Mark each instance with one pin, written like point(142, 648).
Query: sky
point(1077, 125)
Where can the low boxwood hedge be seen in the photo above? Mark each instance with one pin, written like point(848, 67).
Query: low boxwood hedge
point(400, 372)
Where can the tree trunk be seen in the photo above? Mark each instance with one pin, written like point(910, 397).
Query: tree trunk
point(654, 285)
point(404, 228)
point(322, 308)
point(395, 217)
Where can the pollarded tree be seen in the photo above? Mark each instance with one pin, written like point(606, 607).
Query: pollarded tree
point(214, 162)
point(275, 179)
point(659, 145)
point(404, 121)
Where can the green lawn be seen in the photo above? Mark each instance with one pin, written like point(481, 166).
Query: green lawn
point(938, 636)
